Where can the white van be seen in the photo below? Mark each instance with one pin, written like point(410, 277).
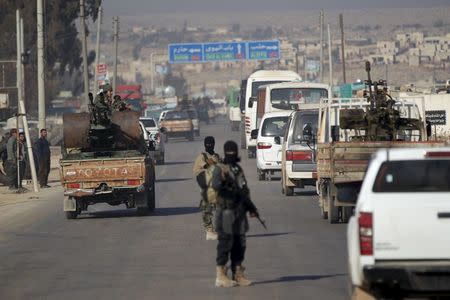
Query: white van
point(254, 81)
point(289, 96)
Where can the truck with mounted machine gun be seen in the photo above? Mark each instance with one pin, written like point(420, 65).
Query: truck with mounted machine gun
point(349, 131)
point(105, 160)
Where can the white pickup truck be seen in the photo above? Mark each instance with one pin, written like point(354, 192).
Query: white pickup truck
point(399, 237)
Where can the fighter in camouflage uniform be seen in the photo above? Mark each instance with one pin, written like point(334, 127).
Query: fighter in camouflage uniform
point(202, 162)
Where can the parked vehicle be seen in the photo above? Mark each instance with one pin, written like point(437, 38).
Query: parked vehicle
point(154, 137)
point(269, 138)
point(254, 81)
point(177, 123)
point(397, 241)
point(298, 161)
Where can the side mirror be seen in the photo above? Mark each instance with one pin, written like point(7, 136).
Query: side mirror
point(250, 101)
point(277, 140)
point(335, 133)
point(163, 129)
point(254, 134)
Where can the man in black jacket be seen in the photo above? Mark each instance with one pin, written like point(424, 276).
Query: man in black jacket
point(43, 153)
point(233, 203)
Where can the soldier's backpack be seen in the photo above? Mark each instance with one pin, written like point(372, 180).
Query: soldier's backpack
point(204, 180)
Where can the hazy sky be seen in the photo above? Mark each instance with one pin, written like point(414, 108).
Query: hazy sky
point(144, 7)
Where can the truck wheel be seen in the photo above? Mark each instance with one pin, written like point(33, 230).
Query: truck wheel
point(333, 211)
point(150, 196)
point(243, 138)
point(197, 132)
point(71, 215)
point(166, 138)
point(289, 190)
point(261, 175)
point(347, 212)
point(190, 136)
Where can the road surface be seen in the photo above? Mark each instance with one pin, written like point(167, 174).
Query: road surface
point(110, 253)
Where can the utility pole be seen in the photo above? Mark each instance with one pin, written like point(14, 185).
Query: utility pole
point(152, 73)
point(330, 60)
point(341, 24)
point(85, 63)
point(21, 103)
point(296, 62)
point(321, 45)
point(40, 64)
point(116, 42)
point(97, 47)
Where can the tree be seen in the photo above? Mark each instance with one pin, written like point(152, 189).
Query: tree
point(62, 46)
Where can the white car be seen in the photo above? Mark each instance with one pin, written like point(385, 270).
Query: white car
point(152, 132)
point(399, 237)
point(268, 143)
point(298, 165)
point(162, 116)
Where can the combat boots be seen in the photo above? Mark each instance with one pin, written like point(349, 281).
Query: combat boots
point(239, 277)
point(222, 279)
point(211, 235)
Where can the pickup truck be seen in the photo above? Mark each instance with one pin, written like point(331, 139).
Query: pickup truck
point(177, 123)
point(343, 154)
point(397, 241)
point(121, 177)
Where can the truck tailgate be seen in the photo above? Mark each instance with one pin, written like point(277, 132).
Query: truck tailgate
point(112, 171)
point(347, 161)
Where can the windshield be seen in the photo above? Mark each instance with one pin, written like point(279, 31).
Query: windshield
point(176, 115)
point(305, 127)
point(413, 176)
point(284, 98)
point(274, 126)
point(148, 122)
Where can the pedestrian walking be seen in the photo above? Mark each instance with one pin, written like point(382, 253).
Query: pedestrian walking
point(43, 155)
point(21, 158)
point(231, 223)
point(203, 161)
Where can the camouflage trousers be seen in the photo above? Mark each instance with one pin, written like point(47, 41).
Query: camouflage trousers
point(207, 214)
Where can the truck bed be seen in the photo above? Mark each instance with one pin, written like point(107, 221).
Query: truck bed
point(343, 162)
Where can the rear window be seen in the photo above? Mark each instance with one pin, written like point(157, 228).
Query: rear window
point(176, 115)
point(305, 127)
point(284, 98)
point(274, 126)
point(413, 176)
point(148, 122)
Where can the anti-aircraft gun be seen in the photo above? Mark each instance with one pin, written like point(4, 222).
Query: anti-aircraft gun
point(350, 131)
point(381, 120)
point(106, 127)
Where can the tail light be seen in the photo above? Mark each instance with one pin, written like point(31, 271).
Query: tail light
point(365, 222)
point(298, 155)
point(437, 154)
point(264, 145)
point(133, 182)
point(73, 185)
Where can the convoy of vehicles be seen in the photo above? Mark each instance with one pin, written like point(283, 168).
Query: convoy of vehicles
point(397, 240)
point(253, 82)
point(269, 138)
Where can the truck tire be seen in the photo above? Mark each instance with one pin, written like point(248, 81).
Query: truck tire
point(333, 211)
point(70, 215)
point(243, 138)
point(346, 213)
point(261, 175)
point(190, 136)
point(289, 190)
point(151, 197)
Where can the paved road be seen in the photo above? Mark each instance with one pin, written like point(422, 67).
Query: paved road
point(109, 253)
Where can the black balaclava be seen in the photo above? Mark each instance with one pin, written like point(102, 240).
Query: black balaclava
point(209, 144)
point(230, 150)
